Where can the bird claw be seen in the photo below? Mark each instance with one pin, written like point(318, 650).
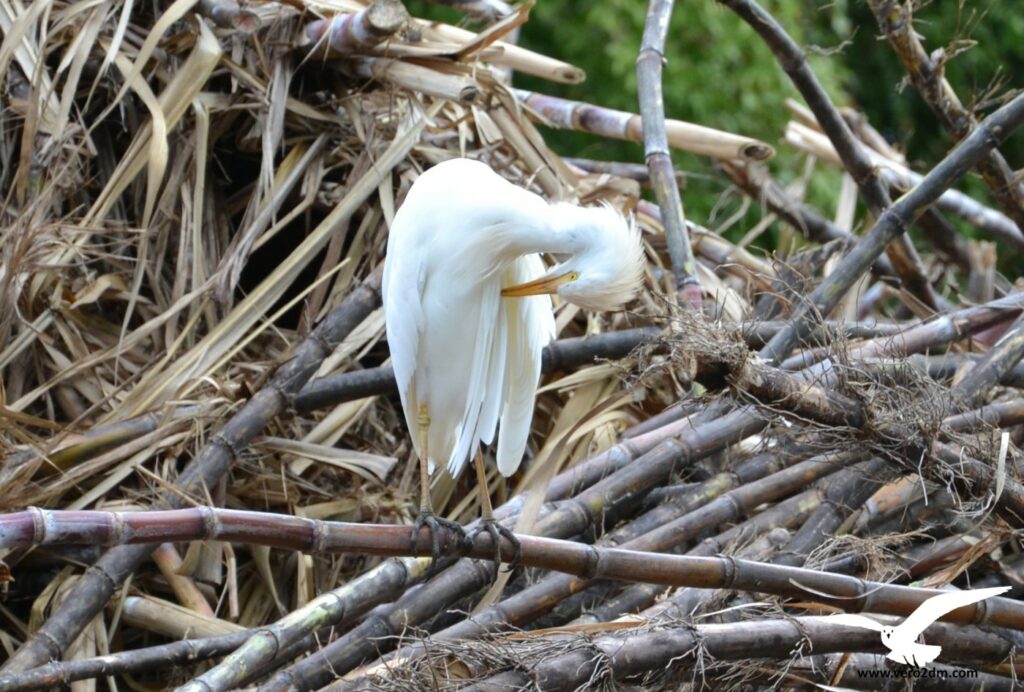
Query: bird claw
point(435, 523)
point(496, 531)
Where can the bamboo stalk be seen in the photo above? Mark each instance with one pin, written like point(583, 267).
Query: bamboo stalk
point(659, 162)
point(902, 178)
point(672, 649)
point(938, 332)
point(994, 365)
point(853, 154)
point(895, 221)
point(170, 620)
point(416, 78)
point(698, 139)
point(36, 527)
point(350, 33)
point(94, 588)
point(57, 673)
point(789, 513)
point(851, 488)
point(1001, 414)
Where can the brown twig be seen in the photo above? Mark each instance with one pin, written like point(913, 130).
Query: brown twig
point(794, 63)
point(894, 222)
point(895, 19)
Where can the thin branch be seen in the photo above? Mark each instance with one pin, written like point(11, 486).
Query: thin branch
point(895, 19)
point(852, 152)
point(894, 222)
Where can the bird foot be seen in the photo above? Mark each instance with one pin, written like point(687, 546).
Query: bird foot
point(496, 531)
point(435, 523)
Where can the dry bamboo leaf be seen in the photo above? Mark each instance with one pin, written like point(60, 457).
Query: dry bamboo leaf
point(172, 14)
point(372, 467)
point(18, 44)
point(582, 376)
point(261, 556)
point(106, 286)
point(160, 386)
point(171, 106)
point(345, 509)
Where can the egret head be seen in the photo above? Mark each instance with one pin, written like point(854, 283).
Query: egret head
point(606, 263)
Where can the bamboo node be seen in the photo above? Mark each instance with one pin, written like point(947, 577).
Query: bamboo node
point(39, 532)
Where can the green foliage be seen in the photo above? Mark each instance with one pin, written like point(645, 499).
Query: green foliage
point(985, 39)
point(717, 73)
point(997, 29)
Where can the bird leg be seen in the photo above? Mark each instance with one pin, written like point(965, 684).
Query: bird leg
point(489, 524)
point(426, 516)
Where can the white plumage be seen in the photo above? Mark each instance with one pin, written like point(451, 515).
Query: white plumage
point(466, 358)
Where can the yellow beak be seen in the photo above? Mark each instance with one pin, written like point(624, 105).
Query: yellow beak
point(547, 284)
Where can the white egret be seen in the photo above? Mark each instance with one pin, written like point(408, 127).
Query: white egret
point(467, 310)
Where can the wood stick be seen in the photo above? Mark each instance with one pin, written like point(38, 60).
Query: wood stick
point(585, 117)
point(659, 162)
point(896, 22)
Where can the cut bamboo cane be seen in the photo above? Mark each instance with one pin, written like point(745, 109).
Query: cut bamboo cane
point(896, 175)
point(350, 33)
point(697, 139)
point(659, 162)
point(454, 87)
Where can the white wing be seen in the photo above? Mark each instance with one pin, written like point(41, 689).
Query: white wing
point(854, 620)
point(497, 384)
point(937, 606)
point(531, 325)
point(482, 378)
point(401, 291)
